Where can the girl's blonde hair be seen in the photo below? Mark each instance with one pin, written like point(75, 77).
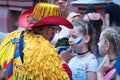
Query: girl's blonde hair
point(112, 34)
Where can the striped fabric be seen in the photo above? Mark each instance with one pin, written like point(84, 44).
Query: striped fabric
point(8, 64)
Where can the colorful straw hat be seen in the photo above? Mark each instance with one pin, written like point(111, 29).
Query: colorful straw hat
point(43, 14)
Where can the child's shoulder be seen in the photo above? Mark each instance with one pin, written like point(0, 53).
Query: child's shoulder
point(91, 55)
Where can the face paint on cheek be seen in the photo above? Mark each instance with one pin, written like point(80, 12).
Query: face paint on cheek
point(78, 41)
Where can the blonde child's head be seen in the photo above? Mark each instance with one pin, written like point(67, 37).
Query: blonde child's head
point(81, 36)
point(110, 38)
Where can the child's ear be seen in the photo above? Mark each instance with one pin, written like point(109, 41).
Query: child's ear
point(107, 44)
point(87, 38)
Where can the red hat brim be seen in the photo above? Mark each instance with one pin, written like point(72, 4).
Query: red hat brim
point(49, 20)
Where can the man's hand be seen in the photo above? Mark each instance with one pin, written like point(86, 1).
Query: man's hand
point(67, 55)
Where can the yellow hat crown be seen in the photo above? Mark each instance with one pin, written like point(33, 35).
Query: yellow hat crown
point(43, 10)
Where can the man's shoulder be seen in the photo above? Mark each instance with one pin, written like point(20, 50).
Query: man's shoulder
point(9, 36)
point(2, 35)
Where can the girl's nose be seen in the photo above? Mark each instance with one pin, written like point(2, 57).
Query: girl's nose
point(70, 41)
point(98, 43)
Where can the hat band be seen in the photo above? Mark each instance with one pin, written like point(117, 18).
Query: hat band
point(31, 20)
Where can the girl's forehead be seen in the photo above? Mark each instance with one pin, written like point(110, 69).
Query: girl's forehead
point(102, 36)
point(75, 30)
point(72, 31)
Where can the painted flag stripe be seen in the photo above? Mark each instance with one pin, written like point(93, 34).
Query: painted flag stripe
point(9, 69)
point(10, 62)
point(10, 74)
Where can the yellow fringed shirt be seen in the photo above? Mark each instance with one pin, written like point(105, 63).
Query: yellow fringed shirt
point(41, 60)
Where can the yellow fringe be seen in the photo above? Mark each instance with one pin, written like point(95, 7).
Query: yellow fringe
point(45, 9)
point(41, 60)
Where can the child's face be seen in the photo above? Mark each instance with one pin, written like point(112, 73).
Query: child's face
point(76, 39)
point(102, 45)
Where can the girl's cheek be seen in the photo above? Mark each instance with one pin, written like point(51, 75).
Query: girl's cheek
point(78, 41)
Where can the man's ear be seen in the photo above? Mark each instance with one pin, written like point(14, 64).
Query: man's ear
point(87, 38)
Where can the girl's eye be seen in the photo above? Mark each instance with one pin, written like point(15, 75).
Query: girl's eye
point(74, 36)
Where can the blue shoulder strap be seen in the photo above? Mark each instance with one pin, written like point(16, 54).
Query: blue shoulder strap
point(21, 46)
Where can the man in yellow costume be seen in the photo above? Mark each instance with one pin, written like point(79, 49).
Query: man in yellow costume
point(28, 54)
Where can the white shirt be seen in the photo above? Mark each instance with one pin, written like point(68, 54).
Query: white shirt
point(80, 65)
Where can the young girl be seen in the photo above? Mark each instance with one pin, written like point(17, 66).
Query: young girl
point(109, 46)
point(84, 64)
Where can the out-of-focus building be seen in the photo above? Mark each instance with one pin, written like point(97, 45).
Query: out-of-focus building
point(9, 12)
point(11, 9)
point(80, 5)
